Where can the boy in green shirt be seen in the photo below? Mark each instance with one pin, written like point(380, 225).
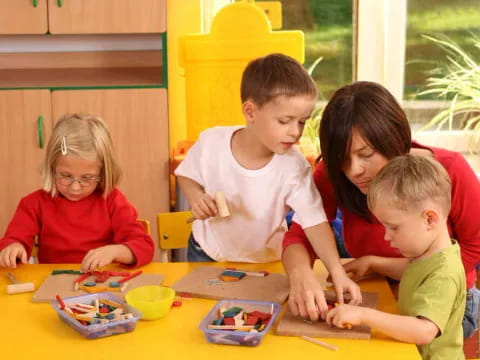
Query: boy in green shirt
point(411, 198)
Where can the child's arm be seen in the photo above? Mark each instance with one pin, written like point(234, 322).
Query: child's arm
point(202, 204)
point(130, 244)
point(323, 242)
point(19, 238)
point(10, 254)
point(390, 267)
point(409, 329)
point(104, 255)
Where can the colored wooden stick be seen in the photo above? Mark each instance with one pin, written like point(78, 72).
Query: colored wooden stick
point(319, 342)
point(131, 276)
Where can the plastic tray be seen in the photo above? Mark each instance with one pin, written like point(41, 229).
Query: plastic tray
point(98, 330)
point(244, 338)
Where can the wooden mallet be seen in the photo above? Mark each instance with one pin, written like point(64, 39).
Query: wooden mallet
point(16, 287)
point(222, 207)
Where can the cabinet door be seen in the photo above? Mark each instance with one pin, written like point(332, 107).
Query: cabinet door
point(137, 119)
point(23, 16)
point(106, 16)
point(25, 122)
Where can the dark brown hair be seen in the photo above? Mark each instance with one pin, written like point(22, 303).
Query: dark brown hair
point(374, 112)
point(267, 77)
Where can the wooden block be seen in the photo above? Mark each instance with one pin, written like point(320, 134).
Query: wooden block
point(291, 325)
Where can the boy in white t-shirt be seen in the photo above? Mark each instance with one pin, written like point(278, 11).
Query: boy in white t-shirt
point(261, 173)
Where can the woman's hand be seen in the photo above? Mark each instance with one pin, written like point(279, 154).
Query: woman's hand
point(306, 295)
point(359, 267)
point(10, 254)
point(344, 285)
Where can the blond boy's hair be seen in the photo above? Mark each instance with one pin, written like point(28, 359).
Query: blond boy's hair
point(409, 180)
point(85, 136)
point(274, 75)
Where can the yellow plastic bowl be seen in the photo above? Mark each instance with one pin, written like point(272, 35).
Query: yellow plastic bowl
point(153, 301)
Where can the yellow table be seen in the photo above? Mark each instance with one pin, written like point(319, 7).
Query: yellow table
point(33, 331)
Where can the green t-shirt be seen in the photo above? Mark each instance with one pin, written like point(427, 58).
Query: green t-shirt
point(435, 288)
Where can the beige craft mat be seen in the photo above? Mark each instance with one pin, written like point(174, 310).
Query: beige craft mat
point(291, 325)
point(202, 282)
point(63, 285)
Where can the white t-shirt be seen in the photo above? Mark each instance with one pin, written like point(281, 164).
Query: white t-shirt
point(258, 200)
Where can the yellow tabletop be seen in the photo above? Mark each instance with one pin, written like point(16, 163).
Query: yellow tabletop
point(33, 330)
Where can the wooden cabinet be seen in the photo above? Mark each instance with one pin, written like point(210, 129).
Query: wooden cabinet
point(125, 87)
point(138, 122)
point(106, 16)
point(82, 16)
point(25, 127)
point(23, 17)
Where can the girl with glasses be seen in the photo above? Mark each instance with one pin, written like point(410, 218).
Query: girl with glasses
point(79, 216)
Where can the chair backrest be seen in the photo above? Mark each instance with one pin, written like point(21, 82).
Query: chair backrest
point(146, 225)
point(173, 230)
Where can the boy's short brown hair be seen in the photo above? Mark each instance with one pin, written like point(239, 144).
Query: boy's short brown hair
point(274, 75)
point(408, 180)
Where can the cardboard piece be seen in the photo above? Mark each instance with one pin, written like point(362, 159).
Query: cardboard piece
point(63, 285)
point(204, 282)
point(291, 325)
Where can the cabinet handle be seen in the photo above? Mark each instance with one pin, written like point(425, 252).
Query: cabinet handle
point(35, 3)
point(59, 3)
point(40, 131)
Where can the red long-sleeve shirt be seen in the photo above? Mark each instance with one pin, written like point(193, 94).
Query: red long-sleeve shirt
point(363, 238)
point(67, 230)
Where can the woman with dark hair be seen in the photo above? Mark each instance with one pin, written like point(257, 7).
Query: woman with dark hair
point(362, 128)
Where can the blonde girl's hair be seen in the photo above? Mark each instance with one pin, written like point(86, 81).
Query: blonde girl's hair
point(409, 180)
point(85, 136)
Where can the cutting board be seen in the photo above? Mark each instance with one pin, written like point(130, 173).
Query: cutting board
point(63, 285)
point(204, 282)
point(291, 325)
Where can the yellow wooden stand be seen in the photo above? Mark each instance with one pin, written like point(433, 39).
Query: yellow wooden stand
point(214, 63)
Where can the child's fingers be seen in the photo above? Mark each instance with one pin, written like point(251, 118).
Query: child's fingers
point(23, 256)
point(330, 316)
point(209, 206)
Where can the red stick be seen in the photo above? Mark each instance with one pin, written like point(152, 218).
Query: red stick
point(60, 301)
point(122, 280)
point(82, 277)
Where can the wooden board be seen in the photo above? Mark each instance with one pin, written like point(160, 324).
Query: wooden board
point(291, 325)
point(63, 284)
point(201, 283)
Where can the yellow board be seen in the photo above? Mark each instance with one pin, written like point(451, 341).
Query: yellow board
point(214, 63)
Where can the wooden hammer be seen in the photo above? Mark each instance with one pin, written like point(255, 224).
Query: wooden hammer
point(16, 287)
point(222, 206)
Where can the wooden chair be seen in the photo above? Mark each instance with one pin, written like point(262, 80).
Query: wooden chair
point(173, 231)
point(146, 225)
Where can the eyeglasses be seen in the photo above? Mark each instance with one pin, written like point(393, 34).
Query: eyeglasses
point(87, 180)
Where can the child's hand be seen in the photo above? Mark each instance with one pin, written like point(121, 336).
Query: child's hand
point(306, 296)
point(99, 257)
point(343, 284)
point(9, 255)
point(204, 206)
point(344, 314)
point(359, 267)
